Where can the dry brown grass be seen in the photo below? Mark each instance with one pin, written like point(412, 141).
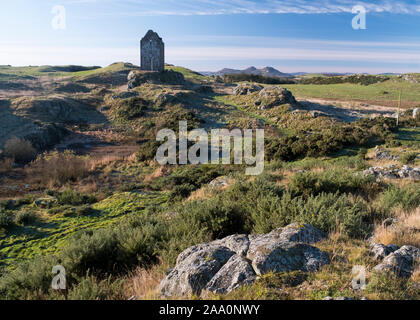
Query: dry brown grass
point(203, 193)
point(405, 232)
point(416, 274)
point(143, 284)
point(159, 172)
point(6, 165)
point(54, 168)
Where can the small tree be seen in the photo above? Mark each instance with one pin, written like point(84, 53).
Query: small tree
point(19, 149)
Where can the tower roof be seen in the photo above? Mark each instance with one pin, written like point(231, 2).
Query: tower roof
point(150, 35)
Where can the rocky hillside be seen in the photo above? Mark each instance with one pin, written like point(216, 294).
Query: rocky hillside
point(80, 187)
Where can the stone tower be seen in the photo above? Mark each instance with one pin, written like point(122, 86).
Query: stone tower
point(152, 52)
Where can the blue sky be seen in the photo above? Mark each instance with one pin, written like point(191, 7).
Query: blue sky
point(207, 35)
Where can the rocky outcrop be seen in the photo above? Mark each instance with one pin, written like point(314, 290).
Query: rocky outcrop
point(246, 88)
point(380, 251)
point(224, 265)
point(401, 262)
point(382, 154)
point(392, 172)
point(273, 96)
point(219, 182)
point(170, 77)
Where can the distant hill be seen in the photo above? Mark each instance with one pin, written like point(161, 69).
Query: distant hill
point(267, 72)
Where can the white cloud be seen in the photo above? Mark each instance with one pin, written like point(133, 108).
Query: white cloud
point(219, 7)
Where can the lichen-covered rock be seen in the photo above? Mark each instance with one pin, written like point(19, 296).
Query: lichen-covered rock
point(380, 251)
point(246, 88)
point(273, 96)
point(298, 232)
point(285, 256)
point(223, 265)
point(400, 262)
point(219, 182)
point(195, 268)
point(236, 272)
point(382, 154)
point(392, 172)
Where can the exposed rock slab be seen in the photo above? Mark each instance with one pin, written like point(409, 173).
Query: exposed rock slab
point(401, 262)
point(224, 265)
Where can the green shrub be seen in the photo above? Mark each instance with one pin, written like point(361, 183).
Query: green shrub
point(90, 288)
point(386, 286)
point(147, 151)
point(362, 153)
point(256, 78)
point(365, 80)
point(406, 198)
point(189, 178)
point(6, 219)
point(91, 250)
point(25, 218)
point(328, 212)
point(74, 198)
point(331, 181)
point(29, 280)
point(128, 109)
point(408, 158)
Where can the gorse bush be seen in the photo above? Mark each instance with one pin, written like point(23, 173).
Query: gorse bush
point(408, 158)
point(327, 141)
point(29, 280)
point(90, 288)
point(25, 218)
point(187, 179)
point(6, 219)
point(128, 109)
point(406, 198)
point(74, 198)
point(332, 181)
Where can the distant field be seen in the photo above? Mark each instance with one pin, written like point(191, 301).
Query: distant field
point(21, 73)
point(386, 92)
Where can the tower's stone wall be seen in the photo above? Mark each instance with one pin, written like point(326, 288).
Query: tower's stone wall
point(152, 52)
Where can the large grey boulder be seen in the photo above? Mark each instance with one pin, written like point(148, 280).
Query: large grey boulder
point(224, 265)
point(285, 256)
point(273, 96)
point(246, 88)
point(195, 267)
point(401, 262)
point(380, 251)
point(236, 272)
